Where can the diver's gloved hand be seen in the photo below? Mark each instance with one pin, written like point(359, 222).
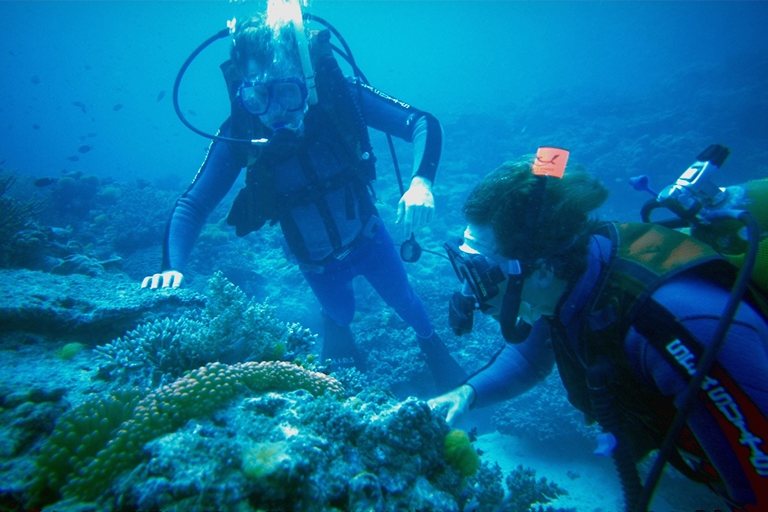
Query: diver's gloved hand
point(165, 279)
point(417, 206)
point(455, 402)
point(461, 309)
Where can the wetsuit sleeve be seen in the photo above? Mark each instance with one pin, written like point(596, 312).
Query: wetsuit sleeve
point(390, 115)
point(729, 420)
point(213, 180)
point(515, 369)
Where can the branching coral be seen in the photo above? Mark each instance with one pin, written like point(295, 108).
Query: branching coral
point(525, 491)
point(231, 328)
point(99, 441)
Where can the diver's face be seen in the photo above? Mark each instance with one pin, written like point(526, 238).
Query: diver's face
point(278, 99)
point(480, 239)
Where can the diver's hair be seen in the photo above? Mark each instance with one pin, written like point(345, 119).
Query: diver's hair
point(555, 230)
point(272, 47)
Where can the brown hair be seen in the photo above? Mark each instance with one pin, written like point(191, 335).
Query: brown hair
point(554, 230)
point(271, 47)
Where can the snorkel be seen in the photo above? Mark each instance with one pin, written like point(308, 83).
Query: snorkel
point(281, 12)
point(278, 12)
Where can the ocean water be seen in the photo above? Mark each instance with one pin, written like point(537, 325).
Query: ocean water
point(628, 87)
point(100, 74)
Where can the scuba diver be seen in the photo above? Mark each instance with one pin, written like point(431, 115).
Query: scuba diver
point(650, 328)
point(300, 127)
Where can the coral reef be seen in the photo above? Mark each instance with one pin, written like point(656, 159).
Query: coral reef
point(230, 328)
point(81, 308)
point(544, 415)
point(99, 440)
point(526, 492)
point(287, 451)
point(17, 218)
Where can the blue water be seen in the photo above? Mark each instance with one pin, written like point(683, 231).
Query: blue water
point(628, 87)
point(100, 74)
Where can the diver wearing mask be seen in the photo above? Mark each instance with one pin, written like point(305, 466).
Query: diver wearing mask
point(624, 310)
point(310, 168)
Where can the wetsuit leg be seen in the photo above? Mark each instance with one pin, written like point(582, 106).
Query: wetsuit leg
point(384, 270)
point(380, 263)
point(333, 288)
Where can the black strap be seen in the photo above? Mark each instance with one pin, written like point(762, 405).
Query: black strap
point(671, 339)
point(319, 200)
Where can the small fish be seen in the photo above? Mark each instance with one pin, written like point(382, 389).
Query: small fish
point(117, 106)
point(35, 79)
point(191, 112)
point(84, 148)
point(80, 105)
point(44, 182)
point(160, 95)
point(72, 174)
point(35, 126)
point(73, 158)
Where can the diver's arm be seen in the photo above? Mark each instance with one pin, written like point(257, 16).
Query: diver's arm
point(515, 369)
point(213, 180)
point(427, 142)
point(734, 406)
point(392, 116)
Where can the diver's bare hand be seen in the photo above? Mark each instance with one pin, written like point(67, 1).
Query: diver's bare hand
point(417, 206)
point(166, 279)
point(455, 402)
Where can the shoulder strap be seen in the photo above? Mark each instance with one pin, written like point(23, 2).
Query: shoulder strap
point(335, 96)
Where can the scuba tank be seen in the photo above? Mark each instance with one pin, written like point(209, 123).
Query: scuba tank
point(727, 235)
point(711, 213)
point(732, 221)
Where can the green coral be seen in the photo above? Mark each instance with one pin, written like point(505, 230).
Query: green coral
point(261, 460)
point(70, 350)
point(460, 454)
point(79, 435)
point(83, 467)
point(231, 328)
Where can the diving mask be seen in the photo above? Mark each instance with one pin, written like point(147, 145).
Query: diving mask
point(258, 96)
point(497, 286)
point(484, 276)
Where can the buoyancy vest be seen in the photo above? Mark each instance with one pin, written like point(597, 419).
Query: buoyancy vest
point(336, 120)
point(644, 256)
